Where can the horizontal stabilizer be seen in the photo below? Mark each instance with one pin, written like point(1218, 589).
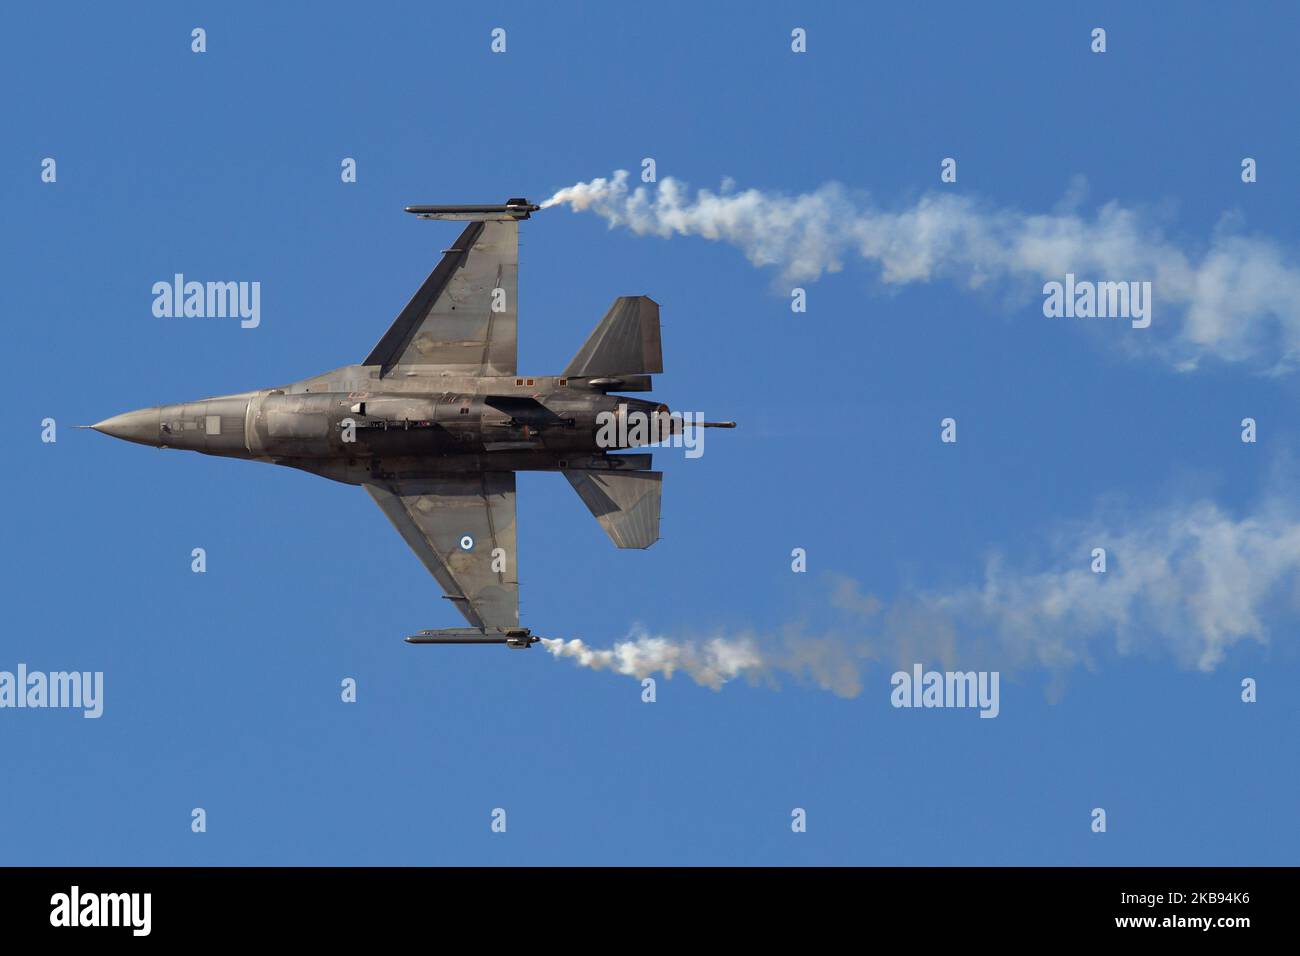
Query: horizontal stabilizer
point(625, 343)
point(625, 503)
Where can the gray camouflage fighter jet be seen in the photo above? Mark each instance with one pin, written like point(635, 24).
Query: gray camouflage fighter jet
point(436, 420)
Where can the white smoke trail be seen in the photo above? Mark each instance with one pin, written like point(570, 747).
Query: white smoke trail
point(711, 663)
point(1188, 583)
point(1238, 300)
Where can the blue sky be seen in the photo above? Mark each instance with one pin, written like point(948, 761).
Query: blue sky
point(222, 689)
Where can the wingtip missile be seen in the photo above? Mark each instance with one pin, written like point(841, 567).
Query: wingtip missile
point(518, 637)
point(517, 208)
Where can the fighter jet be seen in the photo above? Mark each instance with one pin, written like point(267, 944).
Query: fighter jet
point(436, 420)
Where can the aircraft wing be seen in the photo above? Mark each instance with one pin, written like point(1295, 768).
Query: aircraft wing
point(463, 318)
point(438, 516)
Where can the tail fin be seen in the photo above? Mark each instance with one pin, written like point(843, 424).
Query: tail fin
point(625, 503)
point(625, 343)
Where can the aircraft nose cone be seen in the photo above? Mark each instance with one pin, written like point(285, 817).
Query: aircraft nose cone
point(140, 426)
